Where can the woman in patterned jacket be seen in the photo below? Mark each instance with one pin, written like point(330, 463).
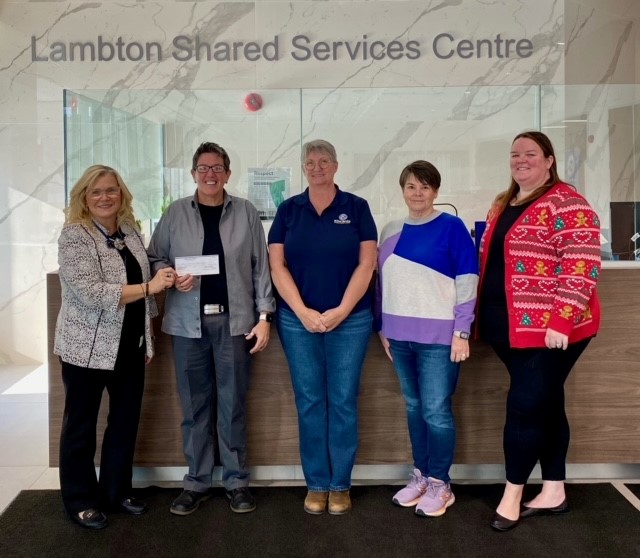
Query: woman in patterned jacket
point(538, 308)
point(103, 338)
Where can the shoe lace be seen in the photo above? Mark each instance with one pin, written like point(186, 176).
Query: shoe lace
point(419, 482)
point(434, 488)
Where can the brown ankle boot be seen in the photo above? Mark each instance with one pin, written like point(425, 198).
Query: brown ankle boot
point(339, 502)
point(316, 502)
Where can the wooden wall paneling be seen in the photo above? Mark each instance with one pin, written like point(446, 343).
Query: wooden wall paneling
point(272, 421)
point(602, 397)
point(603, 390)
point(56, 389)
point(383, 436)
point(159, 437)
point(479, 407)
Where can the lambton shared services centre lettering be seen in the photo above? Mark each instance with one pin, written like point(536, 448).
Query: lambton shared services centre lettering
point(302, 48)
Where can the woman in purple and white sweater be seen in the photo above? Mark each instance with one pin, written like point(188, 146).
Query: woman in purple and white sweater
point(426, 294)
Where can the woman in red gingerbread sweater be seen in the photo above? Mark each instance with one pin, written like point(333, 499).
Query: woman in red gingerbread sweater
point(538, 309)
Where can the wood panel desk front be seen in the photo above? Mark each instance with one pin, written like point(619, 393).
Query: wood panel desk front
point(602, 393)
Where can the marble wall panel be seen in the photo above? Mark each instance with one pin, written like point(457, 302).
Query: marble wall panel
point(602, 41)
point(466, 136)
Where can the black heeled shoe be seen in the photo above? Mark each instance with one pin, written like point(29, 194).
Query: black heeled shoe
point(502, 524)
point(556, 510)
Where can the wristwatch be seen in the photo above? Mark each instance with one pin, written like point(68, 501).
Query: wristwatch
point(266, 317)
point(462, 334)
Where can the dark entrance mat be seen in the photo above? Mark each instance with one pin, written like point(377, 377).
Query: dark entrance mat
point(634, 487)
point(601, 523)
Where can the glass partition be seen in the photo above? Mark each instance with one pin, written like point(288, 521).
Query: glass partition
point(466, 132)
point(596, 134)
point(98, 133)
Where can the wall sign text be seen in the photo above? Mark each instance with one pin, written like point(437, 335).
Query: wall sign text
point(301, 48)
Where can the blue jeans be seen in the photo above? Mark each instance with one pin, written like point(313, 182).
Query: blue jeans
point(428, 380)
point(325, 373)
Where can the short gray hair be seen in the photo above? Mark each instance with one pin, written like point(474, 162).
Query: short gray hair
point(319, 145)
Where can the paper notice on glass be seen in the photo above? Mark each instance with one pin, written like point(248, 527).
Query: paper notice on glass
point(268, 187)
point(198, 265)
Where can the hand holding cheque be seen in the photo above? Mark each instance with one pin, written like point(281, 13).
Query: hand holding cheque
point(189, 266)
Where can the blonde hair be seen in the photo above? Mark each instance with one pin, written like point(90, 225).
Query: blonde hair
point(318, 145)
point(78, 211)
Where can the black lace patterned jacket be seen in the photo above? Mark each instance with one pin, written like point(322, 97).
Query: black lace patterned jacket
point(92, 275)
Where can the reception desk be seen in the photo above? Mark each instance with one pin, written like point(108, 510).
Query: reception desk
point(602, 397)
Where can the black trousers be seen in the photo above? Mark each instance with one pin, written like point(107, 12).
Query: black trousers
point(79, 485)
point(536, 427)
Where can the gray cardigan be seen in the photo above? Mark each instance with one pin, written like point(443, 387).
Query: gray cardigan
point(92, 276)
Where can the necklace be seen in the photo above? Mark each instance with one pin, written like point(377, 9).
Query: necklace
point(115, 240)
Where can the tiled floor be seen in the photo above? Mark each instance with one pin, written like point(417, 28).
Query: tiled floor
point(23, 432)
point(24, 449)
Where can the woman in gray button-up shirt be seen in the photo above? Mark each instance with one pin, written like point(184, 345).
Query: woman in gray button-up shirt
point(216, 322)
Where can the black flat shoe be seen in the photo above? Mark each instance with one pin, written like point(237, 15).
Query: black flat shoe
point(91, 519)
point(557, 510)
point(133, 506)
point(189, 501)
point(241, 500)
point(502, 524)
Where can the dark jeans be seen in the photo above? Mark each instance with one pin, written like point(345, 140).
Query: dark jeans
point(212, 375)
point(79, 485)
point(536, 427)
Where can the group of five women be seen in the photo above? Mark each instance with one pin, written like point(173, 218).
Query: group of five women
point(532, 298)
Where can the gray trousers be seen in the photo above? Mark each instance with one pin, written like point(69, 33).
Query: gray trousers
point(212, 375)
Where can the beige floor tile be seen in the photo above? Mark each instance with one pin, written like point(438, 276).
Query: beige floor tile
point(48, 480)
point(15, 479)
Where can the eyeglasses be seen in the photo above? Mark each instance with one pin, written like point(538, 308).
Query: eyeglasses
point(322, 163)
point(204, 169)
point(97, 194)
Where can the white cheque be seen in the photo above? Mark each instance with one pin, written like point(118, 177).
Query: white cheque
point(198, 265)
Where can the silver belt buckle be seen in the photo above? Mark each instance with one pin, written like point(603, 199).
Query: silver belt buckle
point(213, 309)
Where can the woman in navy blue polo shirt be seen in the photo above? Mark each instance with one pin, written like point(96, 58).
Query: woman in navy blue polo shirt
point(322, 251)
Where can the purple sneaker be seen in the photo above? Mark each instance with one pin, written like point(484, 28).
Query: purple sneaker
point(436, 499)
point(411, 494)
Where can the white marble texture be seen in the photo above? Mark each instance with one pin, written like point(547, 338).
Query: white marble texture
point(460, 113)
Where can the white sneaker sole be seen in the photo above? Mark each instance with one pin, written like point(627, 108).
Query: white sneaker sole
point(439, 512)
point(409, 504)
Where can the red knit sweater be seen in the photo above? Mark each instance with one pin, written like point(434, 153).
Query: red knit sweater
point(552, 264)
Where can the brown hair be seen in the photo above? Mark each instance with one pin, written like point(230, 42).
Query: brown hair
point(210, 147)
point(424, 171)
point(543, 141)
point(78, 211)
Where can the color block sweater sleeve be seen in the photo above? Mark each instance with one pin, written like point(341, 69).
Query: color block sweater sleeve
point(464, 255)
